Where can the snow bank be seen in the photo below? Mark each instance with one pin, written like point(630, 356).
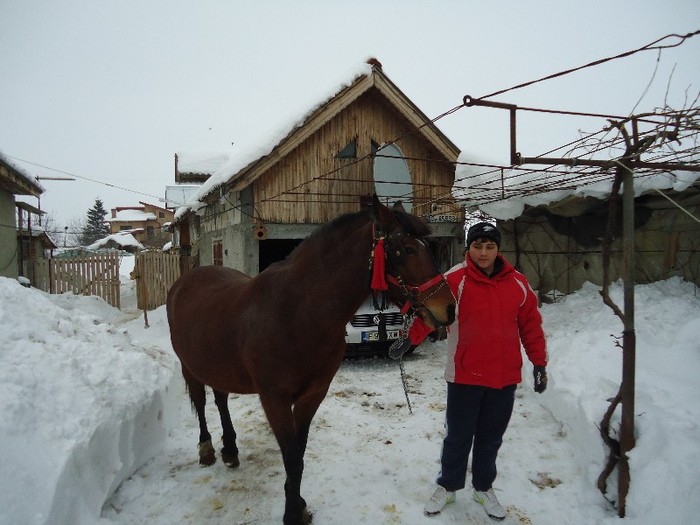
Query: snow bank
point(83, 405)
point(586, 370)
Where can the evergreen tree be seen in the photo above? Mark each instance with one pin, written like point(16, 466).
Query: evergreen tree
point(95, 228)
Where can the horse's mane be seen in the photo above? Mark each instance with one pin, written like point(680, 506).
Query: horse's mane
point(411, 224)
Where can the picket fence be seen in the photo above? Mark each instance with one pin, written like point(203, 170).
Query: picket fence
point(155, 272)
point(96, 274)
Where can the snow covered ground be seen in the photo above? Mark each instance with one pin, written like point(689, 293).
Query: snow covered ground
point(96, 427)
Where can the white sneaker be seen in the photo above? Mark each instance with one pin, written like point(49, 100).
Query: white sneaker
point(490, 503)
point(440, 498)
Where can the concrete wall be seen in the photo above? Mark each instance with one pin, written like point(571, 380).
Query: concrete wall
point(667, 244)
point(236, 228)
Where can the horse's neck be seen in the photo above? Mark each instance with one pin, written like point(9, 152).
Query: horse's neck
point(338, 273)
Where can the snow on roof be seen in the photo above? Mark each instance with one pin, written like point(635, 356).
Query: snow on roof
point(132, 216)
point(504, 196)
point(21, 173)
point(180, 194)
point(295, 117)
point(207, 162)
point(123, 239)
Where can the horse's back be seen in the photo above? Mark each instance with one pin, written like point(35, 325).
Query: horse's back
point(201, 278)
point(199, 304)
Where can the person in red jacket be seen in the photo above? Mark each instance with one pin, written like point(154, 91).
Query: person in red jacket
point(496, 313)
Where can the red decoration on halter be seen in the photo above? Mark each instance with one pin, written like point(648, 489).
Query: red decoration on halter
point(378, 265)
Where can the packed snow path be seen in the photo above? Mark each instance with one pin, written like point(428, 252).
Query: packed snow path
point(368, 460)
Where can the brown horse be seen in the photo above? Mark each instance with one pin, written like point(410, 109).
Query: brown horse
point(281, 334)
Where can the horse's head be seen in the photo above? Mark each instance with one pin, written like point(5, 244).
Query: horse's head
point(411, 274)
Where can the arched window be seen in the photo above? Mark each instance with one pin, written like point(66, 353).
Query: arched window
point(392, 180)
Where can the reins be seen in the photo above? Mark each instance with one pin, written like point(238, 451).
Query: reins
point(406, 327)
point(380, 281)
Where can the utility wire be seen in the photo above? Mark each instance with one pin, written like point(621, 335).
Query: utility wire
point(130, 190)
point(656, 44)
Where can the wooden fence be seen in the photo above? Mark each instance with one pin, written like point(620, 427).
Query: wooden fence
point(155, 272)
point(96, 274)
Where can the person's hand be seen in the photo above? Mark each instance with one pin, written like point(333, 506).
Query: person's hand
point(540, 379)
point(399, 347)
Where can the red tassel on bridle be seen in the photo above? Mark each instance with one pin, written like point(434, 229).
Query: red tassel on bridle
point(378, 265)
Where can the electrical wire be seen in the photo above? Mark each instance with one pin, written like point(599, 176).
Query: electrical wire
point(649, 47)
point(538, 181)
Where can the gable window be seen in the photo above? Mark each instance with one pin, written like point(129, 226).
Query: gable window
point(349, 151)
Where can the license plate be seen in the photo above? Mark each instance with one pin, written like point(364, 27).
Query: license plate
point(369, 337)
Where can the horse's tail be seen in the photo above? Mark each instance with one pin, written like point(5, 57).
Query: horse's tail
point(195, 389)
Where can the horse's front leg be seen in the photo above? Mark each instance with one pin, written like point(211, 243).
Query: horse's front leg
point(279, 414)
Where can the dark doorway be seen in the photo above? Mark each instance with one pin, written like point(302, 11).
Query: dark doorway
point(273, 250)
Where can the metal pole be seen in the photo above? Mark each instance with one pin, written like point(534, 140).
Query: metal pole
point(627, 440)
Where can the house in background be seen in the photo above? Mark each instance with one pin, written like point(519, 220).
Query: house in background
point(192, 169)
point(147, 223)
point(124, 241)
point(367, 138)
point(19, 237)
point(33, 240)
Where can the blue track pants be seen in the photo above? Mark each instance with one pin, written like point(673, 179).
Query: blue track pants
point(477, 416)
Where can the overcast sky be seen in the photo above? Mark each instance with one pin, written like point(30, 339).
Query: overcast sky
point(110, 90)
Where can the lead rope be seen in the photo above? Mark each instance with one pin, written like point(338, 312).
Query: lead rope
point(408, 321)
point(405, 387)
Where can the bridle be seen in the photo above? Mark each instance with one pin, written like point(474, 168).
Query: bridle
point(389, 246)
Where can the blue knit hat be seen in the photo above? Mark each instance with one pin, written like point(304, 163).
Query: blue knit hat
point(483, 230)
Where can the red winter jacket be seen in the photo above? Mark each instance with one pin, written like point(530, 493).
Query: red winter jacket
point(494, 315)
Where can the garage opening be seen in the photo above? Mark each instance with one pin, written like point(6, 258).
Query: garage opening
point(273, 250)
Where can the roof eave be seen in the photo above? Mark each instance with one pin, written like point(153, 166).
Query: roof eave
point(14, 182)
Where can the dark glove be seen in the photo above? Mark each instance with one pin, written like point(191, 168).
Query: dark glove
point(540, 379)
point(399, 347)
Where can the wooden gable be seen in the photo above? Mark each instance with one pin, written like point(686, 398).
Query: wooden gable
point(303, 180)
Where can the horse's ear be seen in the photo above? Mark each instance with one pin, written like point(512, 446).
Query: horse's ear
point(398, 205)
point(382, 215)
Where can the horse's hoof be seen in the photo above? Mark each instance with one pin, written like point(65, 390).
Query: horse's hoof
point(229, 459)
point(207, 456)
point(305, 519)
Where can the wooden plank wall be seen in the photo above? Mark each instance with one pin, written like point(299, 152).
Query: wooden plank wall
point(155, 273)
point(90, 275)
point(310, 185)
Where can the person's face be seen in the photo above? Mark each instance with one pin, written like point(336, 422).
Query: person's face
point(483, 253)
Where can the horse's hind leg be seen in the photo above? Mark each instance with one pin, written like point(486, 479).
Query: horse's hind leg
point(198, 397)
point(229, 454)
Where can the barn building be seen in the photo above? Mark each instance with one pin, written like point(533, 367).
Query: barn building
point(367, 138)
